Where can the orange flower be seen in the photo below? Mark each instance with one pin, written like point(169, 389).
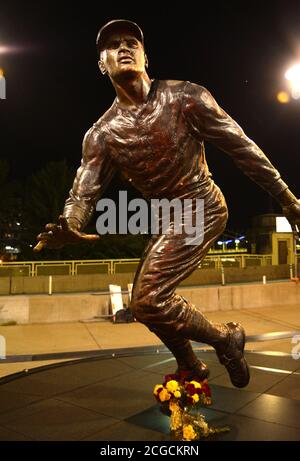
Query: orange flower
point(157, 389)
point(164, 395)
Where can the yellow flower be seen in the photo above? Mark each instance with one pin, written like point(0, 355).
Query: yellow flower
point(157, 388)
point(195, 398)
point(188, 432)
point(196, 384)
point(164, 395)
point(177, 394)
point(172, 385)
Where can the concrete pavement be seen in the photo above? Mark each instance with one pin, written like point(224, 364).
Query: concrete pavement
point(80, 336)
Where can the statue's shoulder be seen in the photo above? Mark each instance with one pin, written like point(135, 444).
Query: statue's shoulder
point(182, 87)
point(173, 86)
point(195, 89)
point(104, 119)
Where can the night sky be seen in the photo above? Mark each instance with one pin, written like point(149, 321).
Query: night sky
point(238, 50)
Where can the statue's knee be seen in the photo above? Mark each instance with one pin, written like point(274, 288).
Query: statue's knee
point(141, 307)
point(135, 308)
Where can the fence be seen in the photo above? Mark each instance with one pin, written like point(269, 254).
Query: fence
point(118, 266)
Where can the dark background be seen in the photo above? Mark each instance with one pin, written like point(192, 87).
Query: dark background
point(238, 50)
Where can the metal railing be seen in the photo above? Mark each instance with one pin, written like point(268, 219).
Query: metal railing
point(115, 266)
point(236, 260)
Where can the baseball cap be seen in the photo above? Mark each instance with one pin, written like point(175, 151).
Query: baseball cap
point(116, 24)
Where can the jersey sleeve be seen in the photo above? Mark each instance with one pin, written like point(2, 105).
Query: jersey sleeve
point(92, 178)
point(207, 121)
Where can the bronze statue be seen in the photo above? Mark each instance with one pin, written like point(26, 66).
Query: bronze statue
point(154, 133)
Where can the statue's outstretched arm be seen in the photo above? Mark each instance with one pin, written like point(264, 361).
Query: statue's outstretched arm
point(208, 121)
point(92, 178)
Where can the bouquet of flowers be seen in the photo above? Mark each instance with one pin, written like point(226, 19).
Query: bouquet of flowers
point(181, 399)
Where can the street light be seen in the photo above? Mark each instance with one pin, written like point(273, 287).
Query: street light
point(223, 244)
point(293, 76)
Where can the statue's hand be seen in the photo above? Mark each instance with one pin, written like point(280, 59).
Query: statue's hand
point(292, 213)
point(59, 235)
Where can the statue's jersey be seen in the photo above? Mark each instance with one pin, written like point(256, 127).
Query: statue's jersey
point(154, 147)
point(159, 148)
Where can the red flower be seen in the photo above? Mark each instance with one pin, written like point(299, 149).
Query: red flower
point(190, 401)
point(190, 388)
point(184, 375)
point(170, 378)
point(206, 389)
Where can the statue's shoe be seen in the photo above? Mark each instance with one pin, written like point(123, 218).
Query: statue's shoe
point(199, 371)
point(231, 355)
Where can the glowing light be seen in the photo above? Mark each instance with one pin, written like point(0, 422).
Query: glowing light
point(293, 76)
point(283, 97)
point(1, 72)
point(220, 243)
point(282, 224)
point(293, 73)
point(4, 49)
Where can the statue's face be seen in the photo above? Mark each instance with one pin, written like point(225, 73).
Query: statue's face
point(123, 54)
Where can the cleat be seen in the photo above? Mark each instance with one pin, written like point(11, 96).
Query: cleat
point(231, 355)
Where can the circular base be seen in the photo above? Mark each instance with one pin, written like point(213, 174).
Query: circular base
point(110, 398)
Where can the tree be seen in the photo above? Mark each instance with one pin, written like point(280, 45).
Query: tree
point(9, 193)
point(45, 195)
point(10, 208)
